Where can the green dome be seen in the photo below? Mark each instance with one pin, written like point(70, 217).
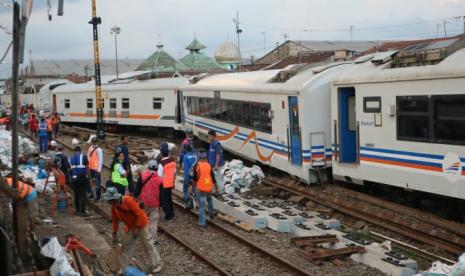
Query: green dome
point(161, 61)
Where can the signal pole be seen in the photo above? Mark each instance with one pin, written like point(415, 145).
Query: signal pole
point(95, 21)
point(238, 31)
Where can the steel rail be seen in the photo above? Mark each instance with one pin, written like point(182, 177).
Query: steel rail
point(370, 218)
point(162, 229)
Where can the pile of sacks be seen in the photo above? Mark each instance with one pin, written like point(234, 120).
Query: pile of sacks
point(25, 147)
point(39, 178)
point(237, 177)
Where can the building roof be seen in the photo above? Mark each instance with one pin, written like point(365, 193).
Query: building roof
point(66, 67)
point(200, 61)
point(398, 45)
point(227, 53)
point(334, 45)
point(195, 45)
point(161, 61)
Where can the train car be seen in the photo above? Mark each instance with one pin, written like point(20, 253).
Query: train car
point(280, 118)
point(399, 119)
point(130, 102)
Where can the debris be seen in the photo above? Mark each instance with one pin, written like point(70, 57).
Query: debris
point(61, 266)
point(25, 147)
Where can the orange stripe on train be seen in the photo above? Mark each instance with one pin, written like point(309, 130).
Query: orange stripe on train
point(107, 115)
point(402, 164)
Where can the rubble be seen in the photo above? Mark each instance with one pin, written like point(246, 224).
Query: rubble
point(25, 147)
point(61, 266)
point(238, 177)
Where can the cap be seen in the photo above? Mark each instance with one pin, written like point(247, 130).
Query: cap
point(153, 165)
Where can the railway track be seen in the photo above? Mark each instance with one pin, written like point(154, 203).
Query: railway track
point(420, 232)
point(217, 234)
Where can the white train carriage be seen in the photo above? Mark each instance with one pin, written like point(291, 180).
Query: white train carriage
point(278, 117)
point(403, 125)
point(151, 103)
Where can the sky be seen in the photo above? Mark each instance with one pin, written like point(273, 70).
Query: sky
point(264, 23)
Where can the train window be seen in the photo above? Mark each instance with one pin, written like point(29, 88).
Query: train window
point(413, 118)
point(372, 104)
point(449, 119)
point(67, 103)
point(125, 103)
point(112, 103)
point(90, 103)
point(248, 114)
point(157, 103)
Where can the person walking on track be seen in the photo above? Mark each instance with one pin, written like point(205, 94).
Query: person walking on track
point(189, 160)
point(127, 210)
point(123, 148)
point(79, 178)
point(215, 158)
point(204, 178)
point(148, 191)
point(95, 155)
point(168, 177)
point(43, 135)
point(119, 174)
point(186, 142)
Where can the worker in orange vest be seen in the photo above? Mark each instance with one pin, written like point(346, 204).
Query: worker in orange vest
point(204, 178)
point(29, 195)
point(95, 156)
point(55, 123)
point(127, 210)
point(168, 174)
point(49, 128)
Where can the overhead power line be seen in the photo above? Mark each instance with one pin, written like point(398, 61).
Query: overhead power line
point(282, 28)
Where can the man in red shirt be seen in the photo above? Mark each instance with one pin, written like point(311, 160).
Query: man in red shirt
point(148, 191)
point(33, 125)
point(127, 210)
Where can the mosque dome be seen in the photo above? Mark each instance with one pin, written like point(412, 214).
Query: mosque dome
point(227, 53)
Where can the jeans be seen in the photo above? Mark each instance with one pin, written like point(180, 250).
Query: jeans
point(185, 189)
point(43, 144)
point(129, 243)
point(55, 129)
point(219, 180)
point(96, 178)
point(202, 198)
point(80, 185)
point(166, 202)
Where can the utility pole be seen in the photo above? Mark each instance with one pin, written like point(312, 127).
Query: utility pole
point(351, 31)
point(95, 21)
point(445, 30)
point(116, 31)
point(285, 36)
point(19, 216)
point(238, 32)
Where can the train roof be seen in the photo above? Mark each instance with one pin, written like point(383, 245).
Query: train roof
point(291, 79)
point(376, 68)
point(124, 85)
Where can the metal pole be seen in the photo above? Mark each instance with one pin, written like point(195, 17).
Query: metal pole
point(19, 223)
point(116, 53)
point(98, 89)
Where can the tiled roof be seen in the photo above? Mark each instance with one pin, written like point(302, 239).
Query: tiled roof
point(200, 61)
point(161, 61)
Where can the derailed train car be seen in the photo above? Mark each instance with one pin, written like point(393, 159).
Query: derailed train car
point(277, 117)
point(398, 118)
point(130, 102)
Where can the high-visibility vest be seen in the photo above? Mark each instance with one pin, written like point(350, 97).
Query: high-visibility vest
point(117, 178)
point(169, 172)
point(78, 168)
point(204, 181)
point(49, 124)
point(23, 188)
point(55, 120)
point(92, 155)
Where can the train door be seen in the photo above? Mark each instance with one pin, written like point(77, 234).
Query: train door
point(294, 132)
point(347, 125)
point(179, 108)
point(54, 103)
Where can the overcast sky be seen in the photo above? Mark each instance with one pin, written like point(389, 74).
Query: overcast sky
point(143, 22)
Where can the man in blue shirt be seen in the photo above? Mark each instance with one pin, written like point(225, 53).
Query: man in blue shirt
point(123, 147)
point(188, 161)
point(215, 158)
point(79, 178)
point(43, 135)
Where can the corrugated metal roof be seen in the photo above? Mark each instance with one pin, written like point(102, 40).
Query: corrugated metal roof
point(66, 67)
point(334, 45)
